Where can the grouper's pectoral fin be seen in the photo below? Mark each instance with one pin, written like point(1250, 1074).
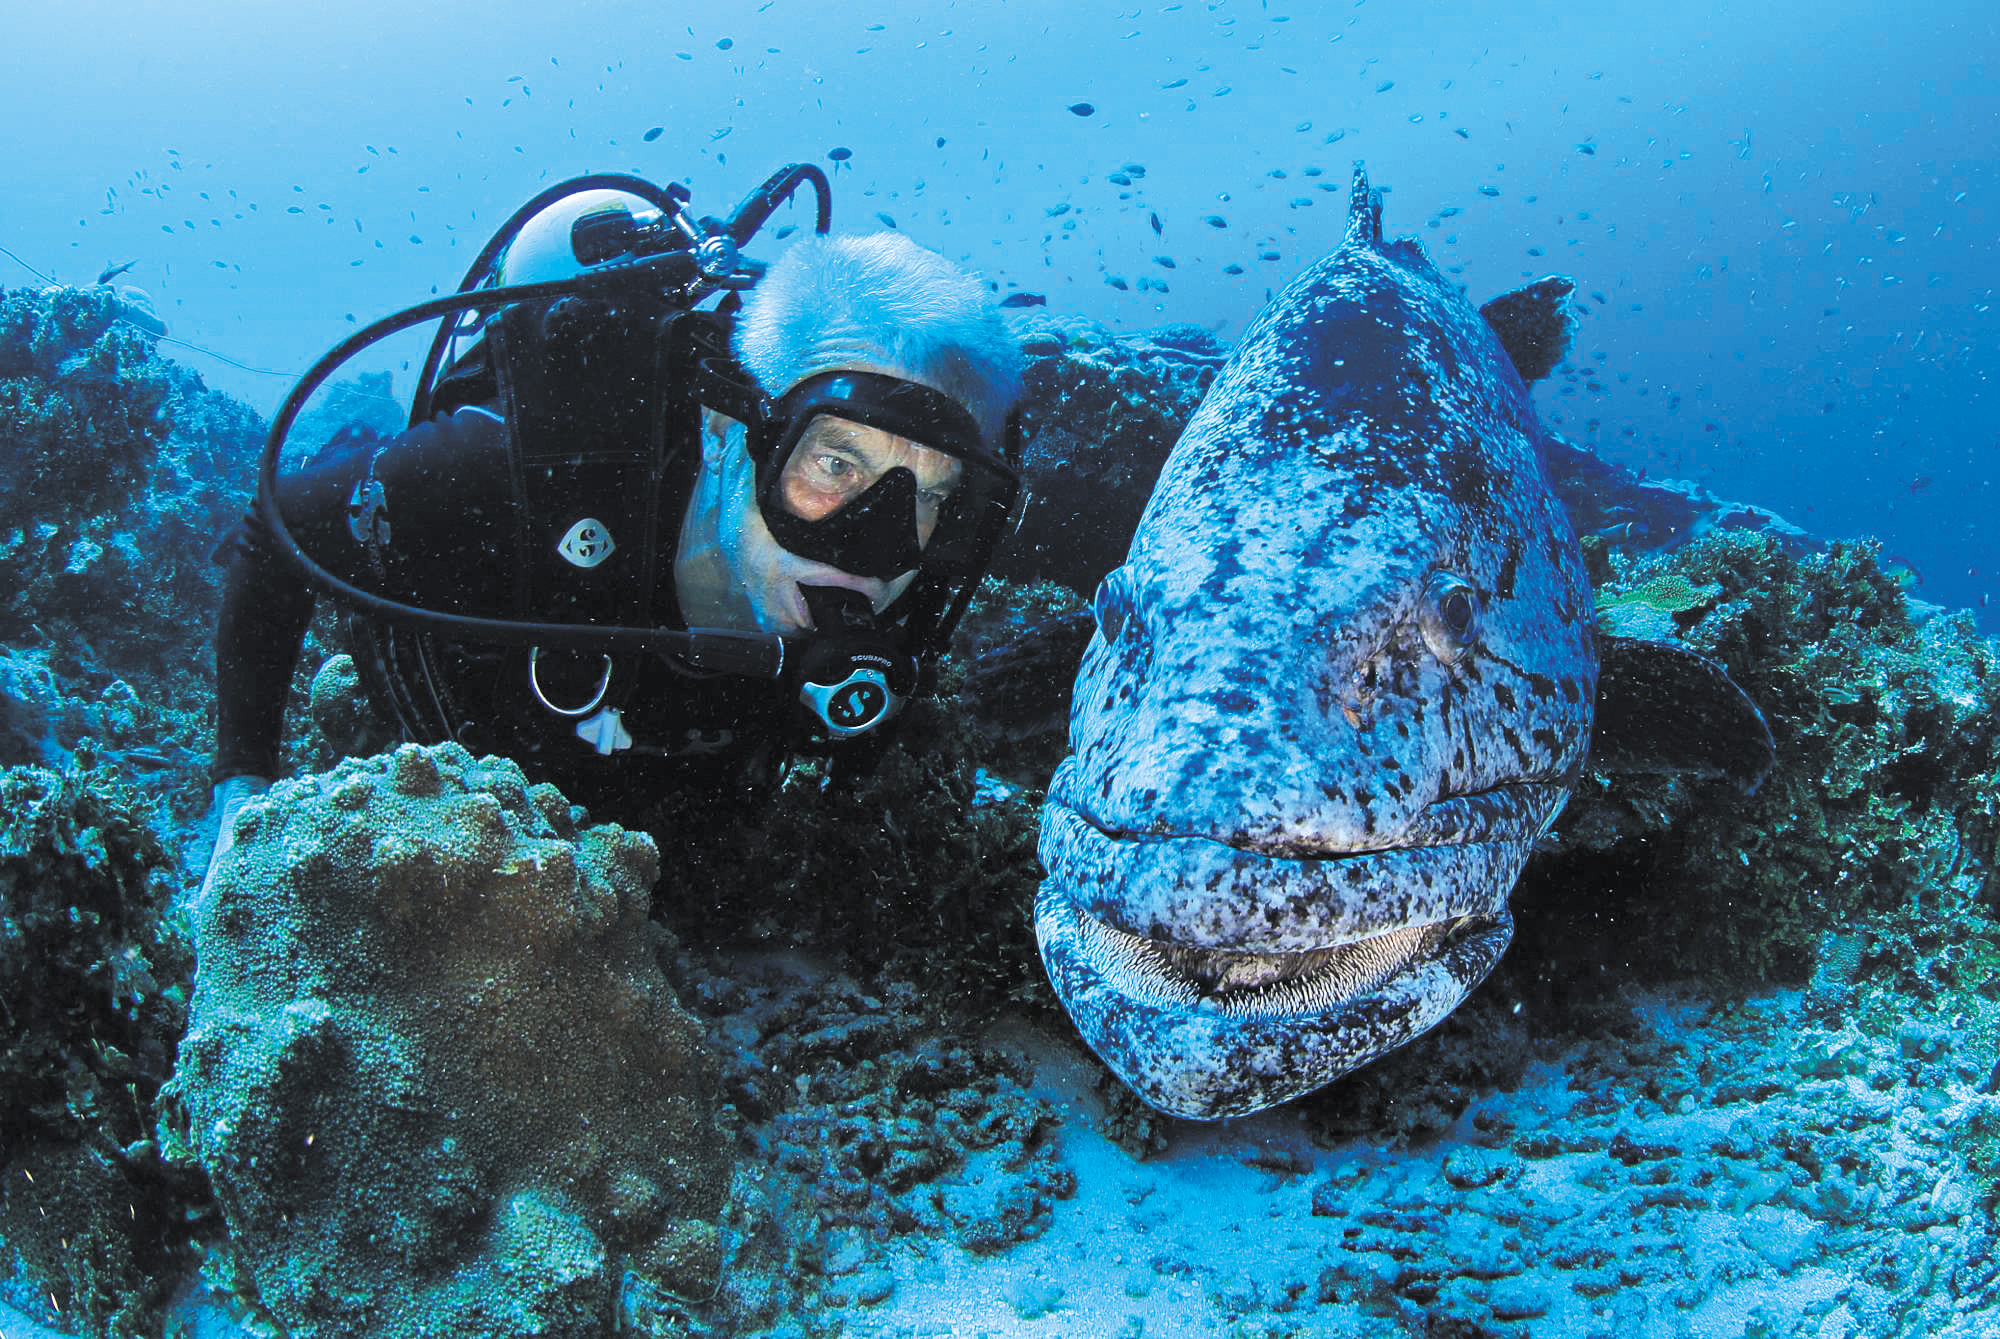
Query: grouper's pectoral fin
point(1662, 708)
point(1534, 325)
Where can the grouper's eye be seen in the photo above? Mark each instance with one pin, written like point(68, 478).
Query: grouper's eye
point(1112, 603)
point(1449, 617)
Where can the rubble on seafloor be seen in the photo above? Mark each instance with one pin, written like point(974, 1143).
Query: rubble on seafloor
point(1736, 1075)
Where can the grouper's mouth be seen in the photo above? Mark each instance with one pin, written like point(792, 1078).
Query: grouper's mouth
point(1162, 973)
point(1216, 980)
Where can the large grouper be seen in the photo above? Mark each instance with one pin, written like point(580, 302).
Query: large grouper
point(1343, 682)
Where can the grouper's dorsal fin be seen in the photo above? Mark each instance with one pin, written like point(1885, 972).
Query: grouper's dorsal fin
point(1663, 708)
point(1534, 325)
point(1364, 213)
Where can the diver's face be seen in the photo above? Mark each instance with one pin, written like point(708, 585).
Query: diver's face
point(730, 572)
point(837, 460)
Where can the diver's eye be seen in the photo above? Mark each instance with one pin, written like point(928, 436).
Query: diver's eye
point(1450, 617)
point(833, 467)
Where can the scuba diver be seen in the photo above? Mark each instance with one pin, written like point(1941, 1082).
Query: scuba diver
point(629, 538)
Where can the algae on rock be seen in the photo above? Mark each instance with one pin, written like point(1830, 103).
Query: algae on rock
point(433, 1069)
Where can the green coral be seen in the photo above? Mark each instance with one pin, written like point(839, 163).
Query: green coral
point(1658, 610)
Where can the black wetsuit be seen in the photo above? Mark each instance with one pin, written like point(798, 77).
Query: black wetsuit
point(464, 515)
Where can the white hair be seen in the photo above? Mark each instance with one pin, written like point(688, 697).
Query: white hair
point(880, 303)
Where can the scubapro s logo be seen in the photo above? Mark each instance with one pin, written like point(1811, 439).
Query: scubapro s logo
point(587, 543)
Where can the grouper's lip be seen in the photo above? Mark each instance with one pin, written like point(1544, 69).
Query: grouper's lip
point(1206, 1057)
point(1174, 977)
point(1193, 903)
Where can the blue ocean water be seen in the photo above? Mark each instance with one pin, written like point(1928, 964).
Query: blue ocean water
point(1786, 217)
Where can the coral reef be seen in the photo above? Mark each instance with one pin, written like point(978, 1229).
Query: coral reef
point(866, 1116)
point(432, 1069)
point(82, 397)
point(852, 939)
point(902, 869)
point(93, 997)
point(1724, 1143)
point(123, 470)
point(1880, 817)
point(421, 970)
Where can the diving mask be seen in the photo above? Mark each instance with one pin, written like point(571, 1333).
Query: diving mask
point(871, 474)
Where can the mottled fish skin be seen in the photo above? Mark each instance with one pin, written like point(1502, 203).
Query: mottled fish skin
point(1340, 686)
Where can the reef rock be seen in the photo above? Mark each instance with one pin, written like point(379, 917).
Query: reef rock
point(433, 1070)
point(1099, 413)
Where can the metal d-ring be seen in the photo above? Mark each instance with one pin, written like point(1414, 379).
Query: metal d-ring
point(535, 683)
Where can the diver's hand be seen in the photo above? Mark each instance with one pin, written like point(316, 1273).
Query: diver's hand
point(229, 799)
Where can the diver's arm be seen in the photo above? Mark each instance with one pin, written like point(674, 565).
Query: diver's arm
point(443, 484)
point(266, 605)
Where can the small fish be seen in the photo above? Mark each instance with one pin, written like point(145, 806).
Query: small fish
point(1025, 300)
point(113, 271)
point(940, 141)
point(654, 134)
point(1159, 230)
point(1215, 220)
point(1082, 109)
point(887, 220)
point(1232, 268)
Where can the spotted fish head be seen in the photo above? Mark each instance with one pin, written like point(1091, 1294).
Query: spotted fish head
point(1340, 685)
